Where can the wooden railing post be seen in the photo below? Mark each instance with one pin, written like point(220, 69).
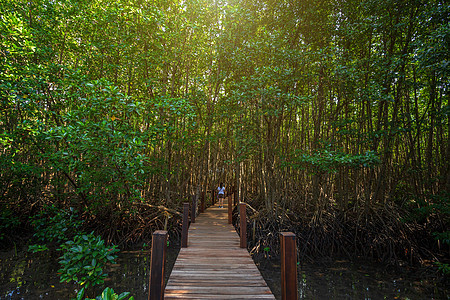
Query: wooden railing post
point(202, 202)
point(243, 224)
point(157, 261)
point(194, 208)
point(230, 209)
point(288, 266)
point(185, 226)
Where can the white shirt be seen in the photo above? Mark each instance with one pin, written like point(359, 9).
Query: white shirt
point(221, 190)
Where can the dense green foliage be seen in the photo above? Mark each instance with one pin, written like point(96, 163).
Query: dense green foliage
point(83, 256)
point(117, 108)
point(55, 225)
point(84, 259)
point(107, 294)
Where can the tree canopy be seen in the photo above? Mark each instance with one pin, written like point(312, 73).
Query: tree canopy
point(310, 106)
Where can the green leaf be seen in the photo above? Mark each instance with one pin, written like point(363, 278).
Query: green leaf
point(123, 296)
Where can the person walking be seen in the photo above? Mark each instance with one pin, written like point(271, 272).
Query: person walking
point(221, 194)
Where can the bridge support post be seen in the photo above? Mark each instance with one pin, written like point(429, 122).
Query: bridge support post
point(202, 202)
point(185, 226)
point(158, 259)
point(230, 209)
point(194, 208)
point(243, 224)
point(288, 266)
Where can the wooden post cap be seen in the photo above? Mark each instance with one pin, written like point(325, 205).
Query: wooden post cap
point(159, 232)
point(288, 234)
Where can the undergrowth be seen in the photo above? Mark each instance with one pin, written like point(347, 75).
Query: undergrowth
point(379, 235)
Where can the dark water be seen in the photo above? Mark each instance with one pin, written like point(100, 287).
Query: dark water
point(346, 280)
point(34, 276)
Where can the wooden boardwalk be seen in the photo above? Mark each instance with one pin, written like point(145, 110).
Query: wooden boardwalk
point(213, 266)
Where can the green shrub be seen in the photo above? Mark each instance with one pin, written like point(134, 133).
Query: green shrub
point(84, 259)
point(37, 248)
point(54, 225)
point(444, 237)
point(8, 221)
point(108, 294)
point(444, 268)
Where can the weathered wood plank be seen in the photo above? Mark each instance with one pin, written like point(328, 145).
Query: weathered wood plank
point(213, 266)
point(213, 296)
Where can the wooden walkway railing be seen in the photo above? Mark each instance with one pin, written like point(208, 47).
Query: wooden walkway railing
point(213, 263)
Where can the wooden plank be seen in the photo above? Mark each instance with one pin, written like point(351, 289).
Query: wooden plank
point(239, 290)
point(213, 266)
point(213, 296)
